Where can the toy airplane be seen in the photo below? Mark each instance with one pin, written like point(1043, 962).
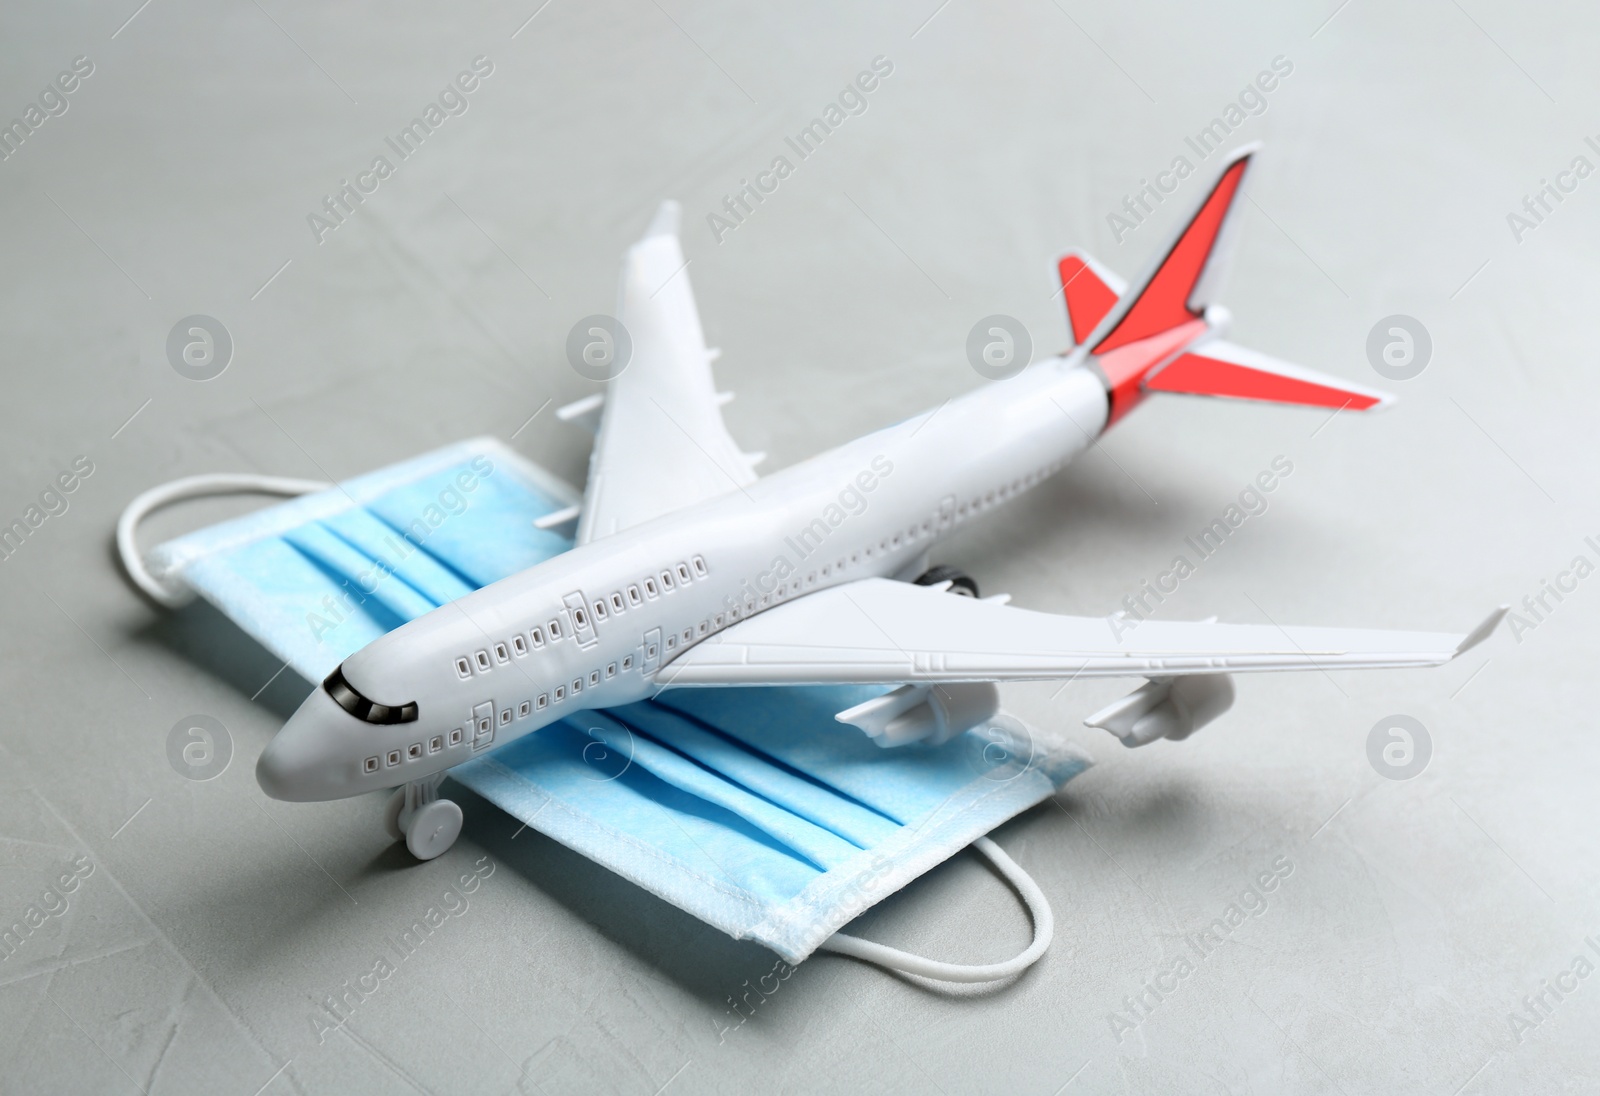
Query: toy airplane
point(688, 570)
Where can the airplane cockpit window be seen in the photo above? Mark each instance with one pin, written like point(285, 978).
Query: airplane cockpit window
point(362, 708)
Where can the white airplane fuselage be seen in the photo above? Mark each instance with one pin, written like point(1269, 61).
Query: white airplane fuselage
point(592, 627)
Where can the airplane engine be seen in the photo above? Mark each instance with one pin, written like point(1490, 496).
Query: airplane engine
point(931, 713)
point(1172, 707)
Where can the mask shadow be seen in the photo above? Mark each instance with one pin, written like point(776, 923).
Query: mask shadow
point(202, 636)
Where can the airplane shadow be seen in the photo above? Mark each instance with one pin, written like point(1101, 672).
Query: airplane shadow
point(1103, 517)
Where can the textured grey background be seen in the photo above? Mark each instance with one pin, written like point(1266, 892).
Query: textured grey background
point(1418, 914)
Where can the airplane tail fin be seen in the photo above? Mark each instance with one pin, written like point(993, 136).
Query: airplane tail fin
point(1161, 334)
point(1185, 275)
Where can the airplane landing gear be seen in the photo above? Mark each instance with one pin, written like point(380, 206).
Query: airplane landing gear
point(961, 583)
point(391, 814)
point(430, 825)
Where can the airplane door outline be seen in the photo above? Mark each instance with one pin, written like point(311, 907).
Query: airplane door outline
point(582, 623)
point(482, 724)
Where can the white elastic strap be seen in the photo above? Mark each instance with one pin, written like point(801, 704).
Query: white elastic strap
point(218, 483)
point(1044, 928)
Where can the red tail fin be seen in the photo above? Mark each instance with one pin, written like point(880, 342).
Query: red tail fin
point(1156, 337)
point(1177, 288)
point(1162, 313)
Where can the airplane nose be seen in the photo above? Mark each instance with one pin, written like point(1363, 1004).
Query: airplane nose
point(276, 771)
point(294, 766)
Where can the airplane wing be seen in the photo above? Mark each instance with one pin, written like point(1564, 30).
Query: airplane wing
point(881, 631)
point(661, 443)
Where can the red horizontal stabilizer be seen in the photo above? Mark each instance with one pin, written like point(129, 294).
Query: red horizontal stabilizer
point(1090, 291)
point(1222, 369)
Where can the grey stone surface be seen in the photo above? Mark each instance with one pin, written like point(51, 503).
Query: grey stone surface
point(205, 924)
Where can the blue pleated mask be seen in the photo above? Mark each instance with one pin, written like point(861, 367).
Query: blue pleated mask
point(317, 578)
point(751, 808)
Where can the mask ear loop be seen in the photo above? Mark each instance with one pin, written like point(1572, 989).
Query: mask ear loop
point(1038, 908)
point(171, 594)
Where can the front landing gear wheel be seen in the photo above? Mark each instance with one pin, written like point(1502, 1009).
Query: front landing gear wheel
point(391, 813)
point(433, 829)
point(430, 825)
point(961, 583)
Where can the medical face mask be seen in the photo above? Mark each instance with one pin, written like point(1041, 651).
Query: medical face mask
point(316, 579)
point(750, 808)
